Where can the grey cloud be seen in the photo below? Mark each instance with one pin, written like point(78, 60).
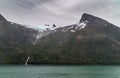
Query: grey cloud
point(62, 12)
point(89, 7)
point(29, 4)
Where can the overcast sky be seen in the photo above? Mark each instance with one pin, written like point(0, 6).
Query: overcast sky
point(60, 12)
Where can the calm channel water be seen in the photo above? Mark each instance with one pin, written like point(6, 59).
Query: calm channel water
point(59, 71)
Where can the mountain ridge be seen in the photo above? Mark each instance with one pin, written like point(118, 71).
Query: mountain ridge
point(2, 19)
point(91, 41)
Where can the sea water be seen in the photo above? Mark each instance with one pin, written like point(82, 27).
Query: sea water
point(59, 71)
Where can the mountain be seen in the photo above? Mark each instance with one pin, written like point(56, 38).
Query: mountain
point(14, 38)
point(92, 40)
point(16, 41)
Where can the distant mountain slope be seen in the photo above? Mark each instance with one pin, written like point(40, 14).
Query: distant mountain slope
point(91, 41)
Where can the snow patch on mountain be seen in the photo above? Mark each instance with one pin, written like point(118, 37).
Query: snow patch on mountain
point(74, 27)
point(72, 30)
point(47, 29)
point(12, 23)
point(44, 32)
point(82, 25)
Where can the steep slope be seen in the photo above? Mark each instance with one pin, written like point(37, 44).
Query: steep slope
point(16, 33)
point(91, 41)
point(15, 39)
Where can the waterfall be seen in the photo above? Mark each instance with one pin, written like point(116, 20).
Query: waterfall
point(26, 63)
